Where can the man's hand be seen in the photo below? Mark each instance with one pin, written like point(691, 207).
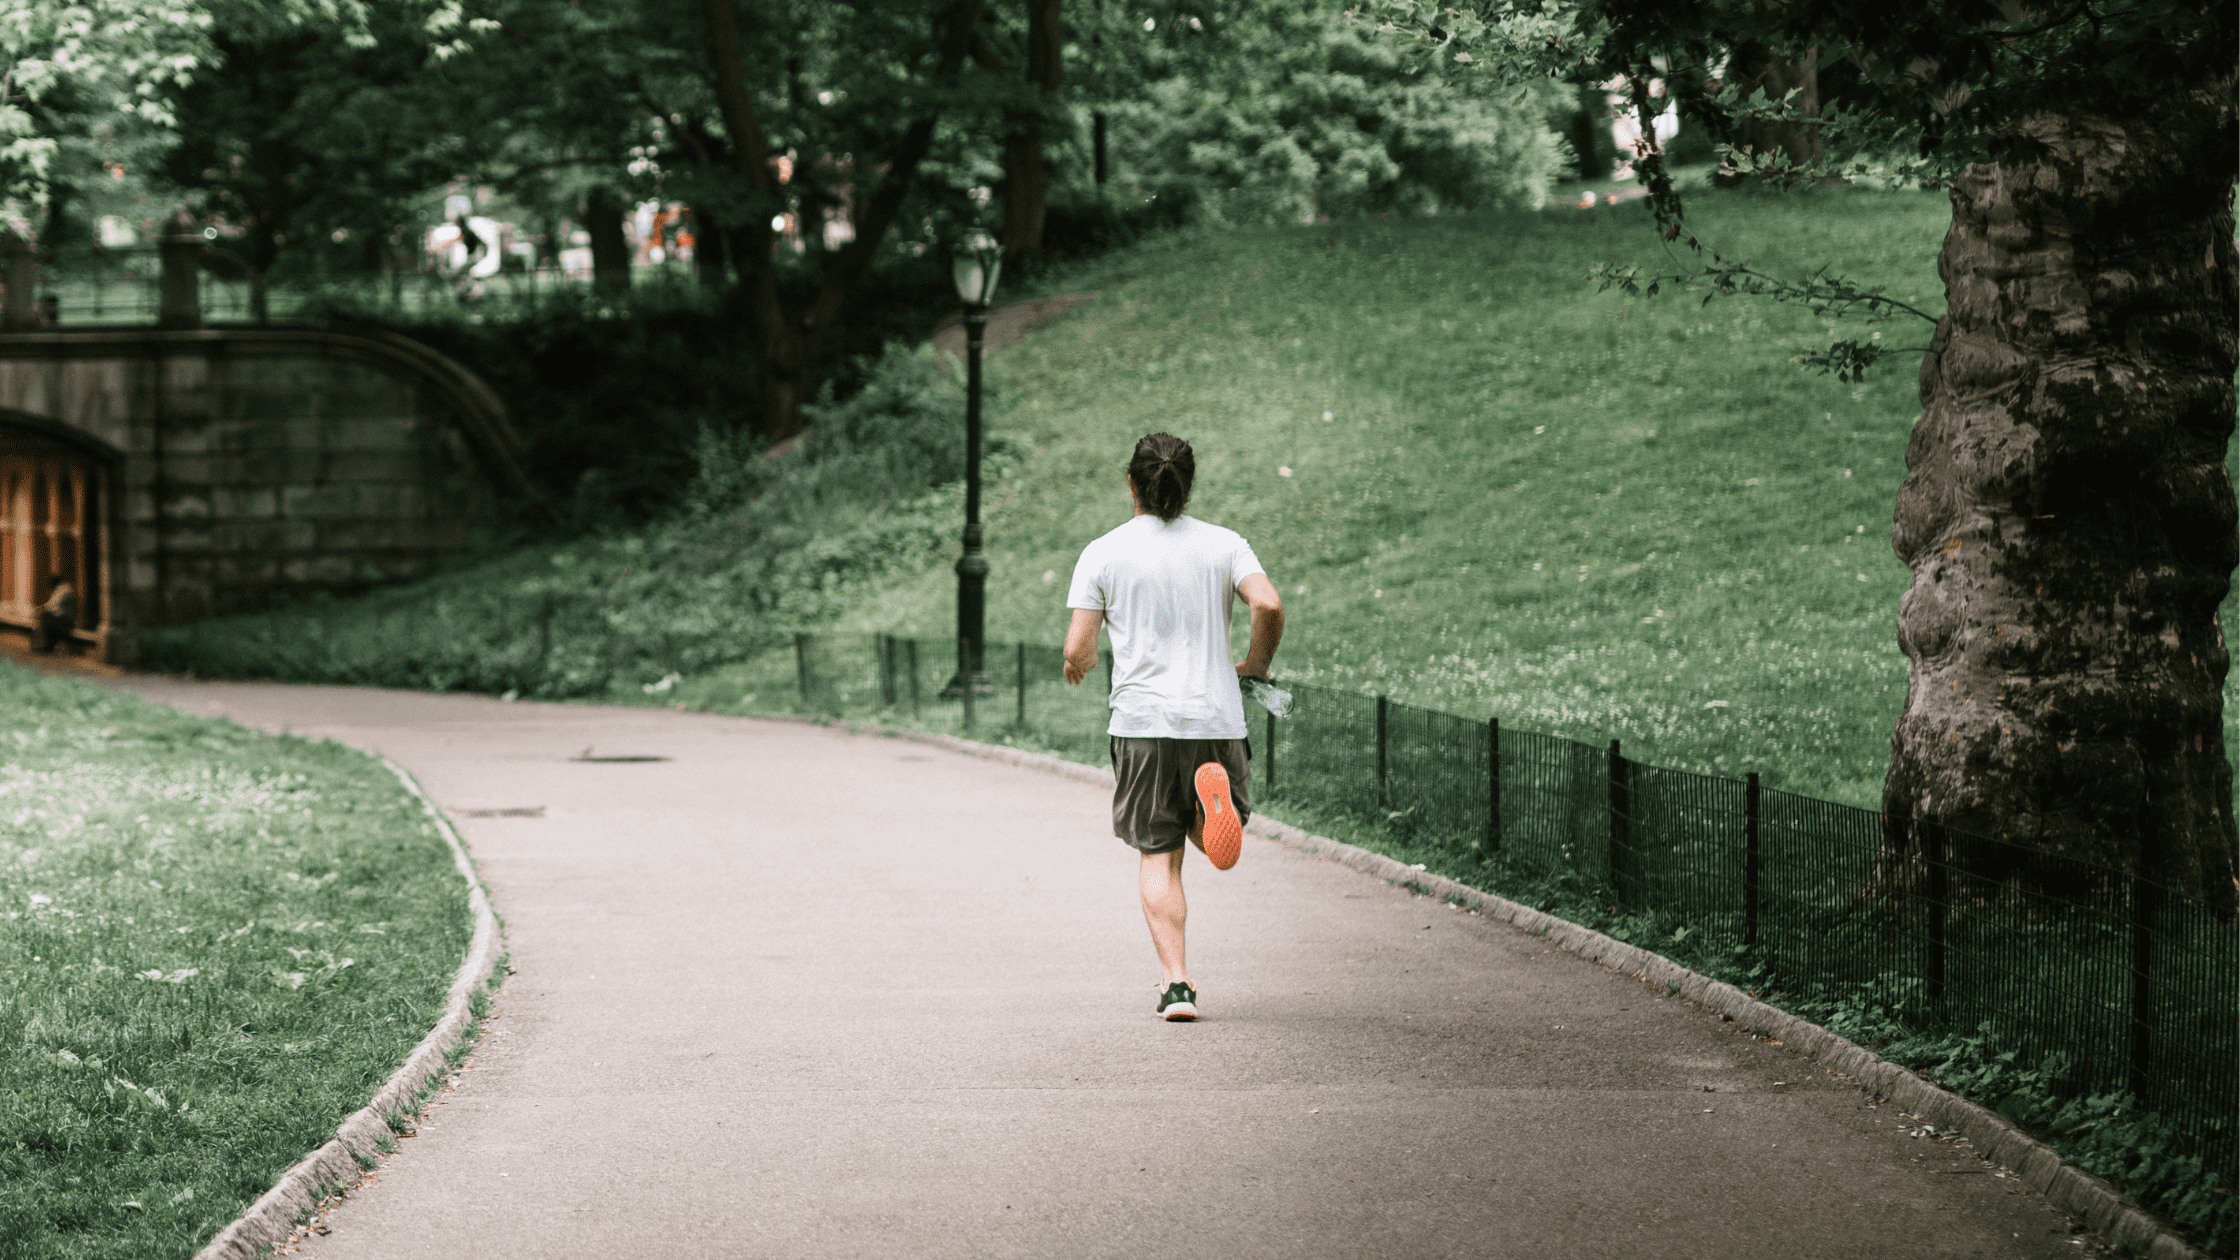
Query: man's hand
point(1081, 643)
point(1267, 625)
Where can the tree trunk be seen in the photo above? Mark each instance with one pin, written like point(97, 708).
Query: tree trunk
point(2066, 511)
point(1026, 179)
point(610, 250)
point(709, 255)
point(791, 353)
point(1591, 143)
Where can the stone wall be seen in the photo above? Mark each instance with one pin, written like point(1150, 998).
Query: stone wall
point(249, 462)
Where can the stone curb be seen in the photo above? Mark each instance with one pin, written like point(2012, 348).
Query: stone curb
point(2100, 1205)
point(271, 1219)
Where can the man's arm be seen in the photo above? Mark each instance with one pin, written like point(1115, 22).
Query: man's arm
point(1081, 643)
point(1267, 625)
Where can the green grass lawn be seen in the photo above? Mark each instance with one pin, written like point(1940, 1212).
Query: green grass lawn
point(214, 946)
point(1482, 487)
point(1506, 494)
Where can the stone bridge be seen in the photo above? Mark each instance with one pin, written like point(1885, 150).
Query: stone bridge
point(173, 474)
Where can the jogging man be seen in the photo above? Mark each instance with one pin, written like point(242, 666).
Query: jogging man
point(1163, 582)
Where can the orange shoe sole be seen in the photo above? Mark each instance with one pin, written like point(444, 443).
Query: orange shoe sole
point(1223, 834)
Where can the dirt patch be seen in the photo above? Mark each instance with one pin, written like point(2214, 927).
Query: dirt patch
point(1006, 324)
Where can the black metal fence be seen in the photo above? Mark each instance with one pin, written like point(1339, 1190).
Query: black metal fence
point(123, 285)
point(2127, 985)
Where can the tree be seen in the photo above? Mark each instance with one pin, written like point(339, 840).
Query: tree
point(74, 66)
point(768, 120)
point(317, 134)
point(2066, 513)
point(1260, 111)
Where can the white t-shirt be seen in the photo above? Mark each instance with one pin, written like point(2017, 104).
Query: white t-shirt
point(1166, 590)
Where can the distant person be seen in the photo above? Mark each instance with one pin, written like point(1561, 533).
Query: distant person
point(58, 617)
point(471, 241)
point(1164, 582)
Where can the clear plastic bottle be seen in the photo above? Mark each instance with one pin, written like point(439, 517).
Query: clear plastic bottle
point(1274, 699)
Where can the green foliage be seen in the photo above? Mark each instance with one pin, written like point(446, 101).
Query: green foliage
point(1307, 120)
point(1957, 82)
point(898, 434)
point(1958, 79)
point(319, 129)
point(2107, 1134)
point(215, 945)
point(79, 73)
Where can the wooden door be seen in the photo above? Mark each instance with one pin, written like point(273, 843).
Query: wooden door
point(49, 527)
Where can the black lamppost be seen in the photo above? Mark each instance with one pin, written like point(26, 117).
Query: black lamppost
point(977, 263)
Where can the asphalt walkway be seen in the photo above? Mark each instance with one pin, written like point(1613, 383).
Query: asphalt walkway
point(793, 992)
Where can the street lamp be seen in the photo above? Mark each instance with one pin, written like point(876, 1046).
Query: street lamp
point(976, 265)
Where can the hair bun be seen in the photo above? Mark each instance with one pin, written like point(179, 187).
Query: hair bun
point(1162, 469)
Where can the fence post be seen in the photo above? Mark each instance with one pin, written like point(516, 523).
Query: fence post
point(2142, 992)
point(1022, 722)
point(1618, 818)
point(544, 639)
point(1932, 836)
point(1750, 859)
point(882, 647)
point(1380, 748)
point(1493, 785)
point(968, 694)
point(910, 653)
point(801, 666)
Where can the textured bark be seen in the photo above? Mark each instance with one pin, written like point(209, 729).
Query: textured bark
point(2066, 512)
point(1026, 177)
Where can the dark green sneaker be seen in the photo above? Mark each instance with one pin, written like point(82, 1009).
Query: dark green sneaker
point(1178, 1002)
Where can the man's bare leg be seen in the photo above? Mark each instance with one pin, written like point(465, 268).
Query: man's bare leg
point(1160, 881)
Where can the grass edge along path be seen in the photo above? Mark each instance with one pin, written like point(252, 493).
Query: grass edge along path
point(2067, 1174)
point(315, 1183)
point(218, 944)
point(2103, 1137)
point(1944, 1114)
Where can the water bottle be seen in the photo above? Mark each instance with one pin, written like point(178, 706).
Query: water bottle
point(1274, 699)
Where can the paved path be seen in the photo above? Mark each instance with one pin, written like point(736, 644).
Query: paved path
point(798, 993)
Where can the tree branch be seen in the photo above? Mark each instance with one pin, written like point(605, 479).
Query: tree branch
point(885, 203)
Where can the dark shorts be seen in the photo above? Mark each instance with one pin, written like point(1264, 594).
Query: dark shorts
point(1155, 801)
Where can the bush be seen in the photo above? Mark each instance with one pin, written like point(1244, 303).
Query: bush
point(612, 393)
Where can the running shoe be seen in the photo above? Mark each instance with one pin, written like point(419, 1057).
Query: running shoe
point(1223, 834)
point(1179, 1002)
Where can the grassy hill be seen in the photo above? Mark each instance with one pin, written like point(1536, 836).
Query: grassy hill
point(1481, 486)
point(1506, 493)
